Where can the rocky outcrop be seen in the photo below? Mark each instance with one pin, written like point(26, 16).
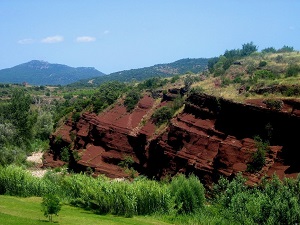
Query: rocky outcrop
point(212, 137)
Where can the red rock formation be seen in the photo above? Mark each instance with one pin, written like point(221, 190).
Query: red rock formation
point(211, 138)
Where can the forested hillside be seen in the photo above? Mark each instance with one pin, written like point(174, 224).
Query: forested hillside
point(38, 72)
point(160, 70)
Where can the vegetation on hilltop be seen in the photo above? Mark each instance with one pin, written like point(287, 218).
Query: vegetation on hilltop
point(161, 70)
point(242, 73)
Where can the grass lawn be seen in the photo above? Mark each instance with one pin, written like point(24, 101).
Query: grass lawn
point(27, 211)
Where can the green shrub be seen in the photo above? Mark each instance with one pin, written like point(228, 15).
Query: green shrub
point(127, 162)
point(259, 156)
point(292, 91)
point(262, 63)
point(75, 116)
point(162, 115)
point(132, 98)
point(188, 194)
point(197, 90)
point(265, 74)
point(273, 104)
point(65, 154)
point(272, 202)
point(292, 70)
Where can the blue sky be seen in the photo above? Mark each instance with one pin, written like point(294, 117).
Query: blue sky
point(114, 35)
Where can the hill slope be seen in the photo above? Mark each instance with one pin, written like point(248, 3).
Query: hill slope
point(38, 72)
point(160, 70)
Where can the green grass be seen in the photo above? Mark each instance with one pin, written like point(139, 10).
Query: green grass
point(27, 211)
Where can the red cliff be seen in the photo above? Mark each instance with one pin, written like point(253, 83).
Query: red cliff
point(212, 137)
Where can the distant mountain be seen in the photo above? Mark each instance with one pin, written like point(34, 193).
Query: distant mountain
point(181, 66)
point(38, 72)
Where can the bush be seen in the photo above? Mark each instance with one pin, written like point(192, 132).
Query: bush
point(265, 74)
point(65, 154)
point(132, 98)
point(292, 70)
point(258, 157)
point(262, 63)
point(273, 104)
point(272, 202)
point(162, 115)
point(188, 193)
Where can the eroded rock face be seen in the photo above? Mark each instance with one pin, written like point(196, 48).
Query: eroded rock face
point(211, 138)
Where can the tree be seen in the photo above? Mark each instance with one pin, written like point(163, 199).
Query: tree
point(131, 100)
point(19, 114)
point(286, 48)
point(51, 206)
point(43, 126)
point(269, 50)
point(248, 48)
point(162, 115)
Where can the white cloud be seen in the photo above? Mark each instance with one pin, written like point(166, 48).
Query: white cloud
point(53, 39)
point(85, 39)
point(106, 32)
point(26, 41)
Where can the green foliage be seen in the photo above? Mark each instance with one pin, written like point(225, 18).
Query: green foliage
point(177, 103)
point(152, 83)
point(19, 114)
point(107, 94)
point(12, 155)
point(127, 162)
point(211, 63)
point(132, 98)
point(43, 126)
point(175, 78)
point(262, 63)
point(65, 154)
point(188, 194)
point(259, 156)
point(273, 104)
point(197, 90)
point(286, 48)
point(292, 70)
point(219, 65)
point(162, 115)
point(26, 211)
point(250, 68)
point(38, 72)
point(292, 91)
point(50, 205)
point(224, 190)
point(188, 81)
point(181, 200)
point(264, 74)
point(160, 70)
point(76, 116)
point(272, 202)
point(269, 50)
point(225, 81)
point(248, 48)
point(18, 182)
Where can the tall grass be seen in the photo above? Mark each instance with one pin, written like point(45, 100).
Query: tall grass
point(182, 199)
point(140, 197)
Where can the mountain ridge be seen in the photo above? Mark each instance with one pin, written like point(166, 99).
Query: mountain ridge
point(181, 66)
point(39, 72)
